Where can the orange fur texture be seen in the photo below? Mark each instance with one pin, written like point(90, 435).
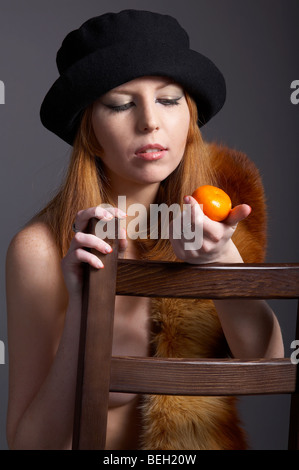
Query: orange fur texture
point(187, 328)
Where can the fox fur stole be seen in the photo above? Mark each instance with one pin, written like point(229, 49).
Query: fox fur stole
point(187, 328)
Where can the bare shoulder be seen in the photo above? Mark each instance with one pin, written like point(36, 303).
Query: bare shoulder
point(35, 240)
point(32, 247)
point(33, 262)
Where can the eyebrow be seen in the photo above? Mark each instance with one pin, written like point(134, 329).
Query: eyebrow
point(121, 91)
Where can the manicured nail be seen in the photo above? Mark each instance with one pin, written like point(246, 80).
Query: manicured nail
point(108, 249)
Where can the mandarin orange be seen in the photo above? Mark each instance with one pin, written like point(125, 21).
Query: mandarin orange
point(216, 203)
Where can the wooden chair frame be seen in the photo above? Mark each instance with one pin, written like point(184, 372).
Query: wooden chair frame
point(99, 373)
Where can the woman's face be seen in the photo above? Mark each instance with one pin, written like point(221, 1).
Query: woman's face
point(142, 127)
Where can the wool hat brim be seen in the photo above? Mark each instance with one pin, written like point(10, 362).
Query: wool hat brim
point(106, 68)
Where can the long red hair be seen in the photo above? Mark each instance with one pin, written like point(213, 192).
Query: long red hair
point(86, 184)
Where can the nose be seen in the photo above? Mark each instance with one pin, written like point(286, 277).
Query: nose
point(148, 119)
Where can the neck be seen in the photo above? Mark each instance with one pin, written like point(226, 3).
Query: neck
point(126, 195)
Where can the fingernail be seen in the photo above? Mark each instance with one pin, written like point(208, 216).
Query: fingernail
point(108, 216)
point(186, 198)
point(108, 249)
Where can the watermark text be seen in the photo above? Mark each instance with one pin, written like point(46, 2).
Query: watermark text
point(295, 354)
point(151, 459)
point(174, 223)
point(295, 94)
point(2, 353)
point(2, 92)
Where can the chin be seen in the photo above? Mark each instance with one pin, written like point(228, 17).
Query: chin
point(155, 177)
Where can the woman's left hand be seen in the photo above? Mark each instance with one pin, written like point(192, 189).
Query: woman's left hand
point(216, 245)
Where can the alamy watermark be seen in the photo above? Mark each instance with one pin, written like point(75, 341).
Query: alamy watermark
point(2, 92)
point(172, 218)
point(2, 353)
point(295, 354)
point(295, 94)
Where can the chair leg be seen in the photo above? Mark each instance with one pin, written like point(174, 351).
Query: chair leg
point(92, 392)
point(294, 409)
point(294, 422)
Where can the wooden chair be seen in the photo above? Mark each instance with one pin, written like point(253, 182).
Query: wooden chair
point(99, 373)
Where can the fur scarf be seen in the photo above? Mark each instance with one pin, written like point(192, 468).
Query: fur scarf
point(187, 328)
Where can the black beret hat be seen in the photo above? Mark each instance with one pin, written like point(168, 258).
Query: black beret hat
point(115, 48)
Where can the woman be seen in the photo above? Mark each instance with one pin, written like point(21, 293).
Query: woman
point(130, 98)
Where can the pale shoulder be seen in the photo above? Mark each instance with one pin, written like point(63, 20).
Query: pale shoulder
point(33, 261)
point(33, 243)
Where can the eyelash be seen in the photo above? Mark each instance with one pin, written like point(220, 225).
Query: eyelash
point(124, 107)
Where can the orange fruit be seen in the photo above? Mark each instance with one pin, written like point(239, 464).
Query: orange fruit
point(216, 203)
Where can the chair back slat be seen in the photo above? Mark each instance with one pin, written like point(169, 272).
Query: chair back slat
point(202, 377)
point(174, 279)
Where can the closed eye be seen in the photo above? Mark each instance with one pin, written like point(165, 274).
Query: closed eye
point(122, 107)
point(169, 101)
point(126, 106)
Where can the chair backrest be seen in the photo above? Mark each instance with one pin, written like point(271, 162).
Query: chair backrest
point(99, 372)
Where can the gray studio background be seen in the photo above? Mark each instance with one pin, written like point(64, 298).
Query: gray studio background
point(255, 44)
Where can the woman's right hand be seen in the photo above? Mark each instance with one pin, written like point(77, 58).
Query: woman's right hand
point(77, 254)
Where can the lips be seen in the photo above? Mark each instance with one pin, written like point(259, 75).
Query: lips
point(151, 152)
